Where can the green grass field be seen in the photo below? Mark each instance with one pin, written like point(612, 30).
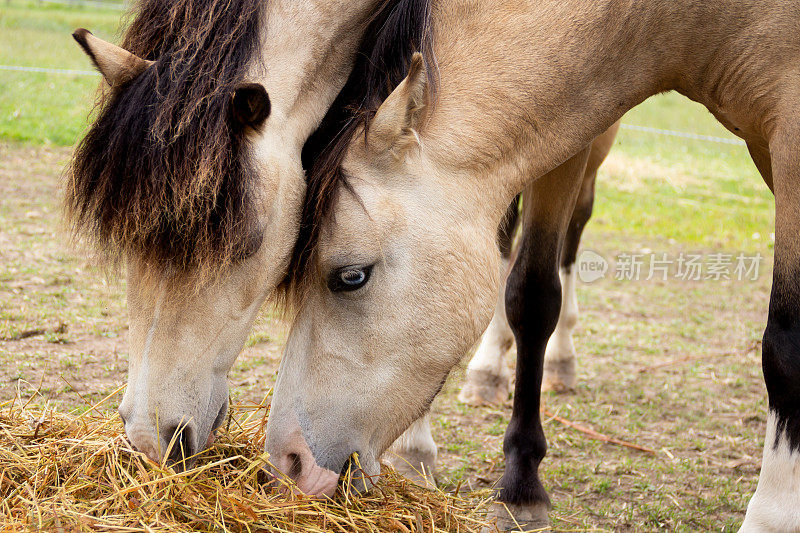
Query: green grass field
point(670, 365)
point(40, 107)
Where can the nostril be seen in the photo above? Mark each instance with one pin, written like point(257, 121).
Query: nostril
point(295, 466)
point(180, 443)
point(348, 467)
point(121, 414)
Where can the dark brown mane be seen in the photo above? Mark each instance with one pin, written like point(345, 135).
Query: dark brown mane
point(399, 29)
point(161, 173)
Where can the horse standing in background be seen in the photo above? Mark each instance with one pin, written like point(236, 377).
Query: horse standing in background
point(487, 376)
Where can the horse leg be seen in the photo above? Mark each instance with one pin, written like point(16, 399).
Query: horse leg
point(487, 375)
point(560, 357)
point(775, 506)
point(413, 454)
point(533, 300)
point(488, 378)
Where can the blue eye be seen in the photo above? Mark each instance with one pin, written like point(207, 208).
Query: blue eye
point(349, 278)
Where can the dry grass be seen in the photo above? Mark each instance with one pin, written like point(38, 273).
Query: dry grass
point(76, 472)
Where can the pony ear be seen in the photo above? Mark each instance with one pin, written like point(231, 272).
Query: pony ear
point(394, 127)
point(250, 105)
point(116, 64)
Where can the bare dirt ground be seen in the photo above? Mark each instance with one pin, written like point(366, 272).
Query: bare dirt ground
point(672, 366)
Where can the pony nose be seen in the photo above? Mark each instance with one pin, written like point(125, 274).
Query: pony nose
point(295, 461)
point(176, 442)
point(181, 443)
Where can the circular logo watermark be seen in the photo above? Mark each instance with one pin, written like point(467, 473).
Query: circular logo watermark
point(591, 266)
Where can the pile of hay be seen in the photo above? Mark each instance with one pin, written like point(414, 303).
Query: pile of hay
point(69, 471)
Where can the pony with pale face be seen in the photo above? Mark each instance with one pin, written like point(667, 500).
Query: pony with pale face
point(366, 299)
point(400, 276)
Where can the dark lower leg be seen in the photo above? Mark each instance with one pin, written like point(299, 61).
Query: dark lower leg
point(781, 347)
point(776, 503)
point(775, 506)
point(533, 301)
point(781, 357)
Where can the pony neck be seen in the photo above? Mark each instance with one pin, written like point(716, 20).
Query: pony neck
point(307, 55)
point(526, 85)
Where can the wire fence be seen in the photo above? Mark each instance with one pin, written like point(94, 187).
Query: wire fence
point(46, 70)
point(684, 135)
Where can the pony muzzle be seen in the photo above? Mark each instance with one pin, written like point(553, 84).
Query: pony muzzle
point(175, 441)
point(294, 465)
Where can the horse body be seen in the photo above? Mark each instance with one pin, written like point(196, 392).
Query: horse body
point(412, 237)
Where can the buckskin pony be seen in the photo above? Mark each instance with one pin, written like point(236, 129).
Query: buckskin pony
point(399, 276)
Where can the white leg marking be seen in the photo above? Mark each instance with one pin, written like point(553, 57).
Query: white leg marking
point(496, 340)
point(560, 345)
point(487, 375)
point(414, 453)
point(775, 507)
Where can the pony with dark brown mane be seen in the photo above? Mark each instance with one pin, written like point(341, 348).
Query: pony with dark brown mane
point(369, 84)
point(161, 175)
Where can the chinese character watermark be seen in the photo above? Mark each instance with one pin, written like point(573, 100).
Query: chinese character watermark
point(661, 266)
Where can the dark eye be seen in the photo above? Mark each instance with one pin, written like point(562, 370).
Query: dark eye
point(349, 278)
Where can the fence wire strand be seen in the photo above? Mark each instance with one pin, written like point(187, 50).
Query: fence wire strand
point(49, 70)
point(684, 135)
